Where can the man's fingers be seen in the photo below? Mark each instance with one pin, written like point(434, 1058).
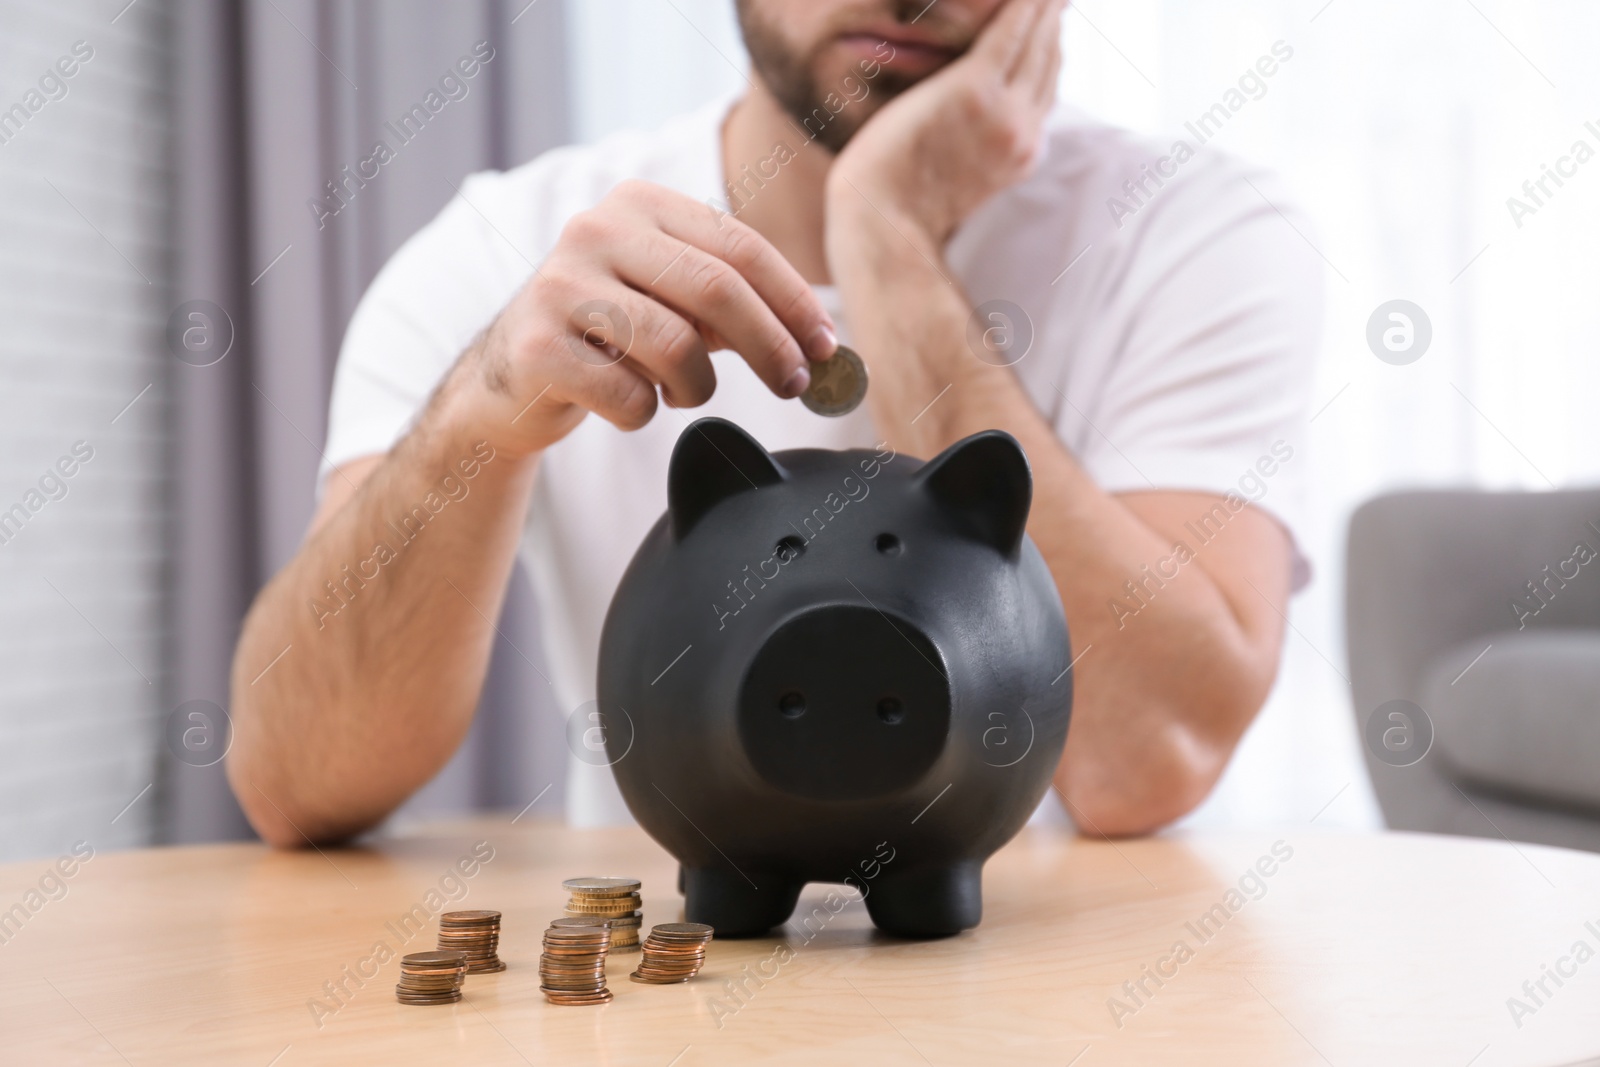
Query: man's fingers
point(1045, 92)
point(779, 286)
point(1043, 42)
point(640, 337)
point(616, 391)
point(1001, 43)
point(720, 299)
point(773, 279)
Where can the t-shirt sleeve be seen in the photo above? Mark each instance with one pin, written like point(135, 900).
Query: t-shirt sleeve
point(444, 285)
point(1219, 310)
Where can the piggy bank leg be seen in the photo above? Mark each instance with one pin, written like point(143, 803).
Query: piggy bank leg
point(736, 905)
point(928, 902)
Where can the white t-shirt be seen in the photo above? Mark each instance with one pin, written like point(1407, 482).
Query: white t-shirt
point(1174, 333)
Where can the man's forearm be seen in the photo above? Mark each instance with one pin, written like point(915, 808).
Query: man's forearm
point(359, 666)
point(1158, 706)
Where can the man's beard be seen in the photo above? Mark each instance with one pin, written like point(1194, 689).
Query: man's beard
point(789, 77)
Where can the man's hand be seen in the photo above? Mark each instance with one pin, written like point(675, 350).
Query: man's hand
point(932, 155)
point(369, 694)
point(635, 294)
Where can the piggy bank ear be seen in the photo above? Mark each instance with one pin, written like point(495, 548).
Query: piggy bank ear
point(712, 461)
point(983, 481)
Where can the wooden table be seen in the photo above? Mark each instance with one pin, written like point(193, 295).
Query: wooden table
point(1355, 949)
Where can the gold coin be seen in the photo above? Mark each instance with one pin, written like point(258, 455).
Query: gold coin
point(838, 385)
point(602, 886)
point(610, 907)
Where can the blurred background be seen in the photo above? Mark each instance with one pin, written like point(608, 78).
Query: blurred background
point(171, 302)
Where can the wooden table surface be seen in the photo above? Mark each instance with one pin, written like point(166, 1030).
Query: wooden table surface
point(1355, 949)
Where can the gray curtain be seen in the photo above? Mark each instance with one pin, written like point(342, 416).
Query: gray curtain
point(272, 98)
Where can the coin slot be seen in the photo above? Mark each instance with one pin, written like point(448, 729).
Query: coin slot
point(888, 544)
point(792, 704)
point(890, 710)
point(788, 549)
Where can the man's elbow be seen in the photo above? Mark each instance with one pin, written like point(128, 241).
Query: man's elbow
point(1098, 811)
point(267, 819)
point(275, 831)
point(1174, 770)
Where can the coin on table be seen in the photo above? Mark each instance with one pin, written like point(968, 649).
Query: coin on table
point(453, 998)
point(556, 997)
point(838, 385)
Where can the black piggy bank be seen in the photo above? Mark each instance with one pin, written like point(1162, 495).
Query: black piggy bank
point(836, 667)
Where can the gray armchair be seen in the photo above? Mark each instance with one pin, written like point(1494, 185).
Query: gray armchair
point(1434, 579)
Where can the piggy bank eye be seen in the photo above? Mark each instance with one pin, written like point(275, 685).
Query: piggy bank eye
point(792, 704)
point(888, 544)
point(788, 548)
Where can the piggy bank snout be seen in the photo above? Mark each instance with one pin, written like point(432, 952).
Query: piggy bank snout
point(844, 702)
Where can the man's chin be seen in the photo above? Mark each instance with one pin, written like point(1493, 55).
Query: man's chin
point(832, 131)
point(843, 98)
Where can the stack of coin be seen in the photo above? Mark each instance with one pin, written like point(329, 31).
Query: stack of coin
point(616, 899)
point(572, 968)
point(431, 978)
point(673, 953)
point(476, 934)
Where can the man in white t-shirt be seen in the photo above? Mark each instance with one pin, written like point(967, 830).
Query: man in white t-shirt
point(1140, 315)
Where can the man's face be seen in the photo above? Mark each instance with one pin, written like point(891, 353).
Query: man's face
point(808, 51)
